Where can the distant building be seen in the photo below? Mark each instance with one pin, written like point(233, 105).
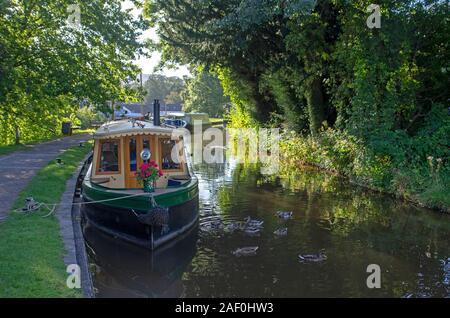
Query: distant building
point(173, 107)
point(140, 110)
point(131, 110)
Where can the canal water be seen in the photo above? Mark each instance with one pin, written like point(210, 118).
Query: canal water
point(352, 227)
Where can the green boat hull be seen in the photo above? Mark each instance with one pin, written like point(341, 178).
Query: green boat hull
point(116, 212)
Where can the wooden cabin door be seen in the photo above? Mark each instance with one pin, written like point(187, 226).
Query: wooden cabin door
point(131, 162)
point(133, 147)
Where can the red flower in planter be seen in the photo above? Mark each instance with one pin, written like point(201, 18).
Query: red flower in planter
point(149, 172)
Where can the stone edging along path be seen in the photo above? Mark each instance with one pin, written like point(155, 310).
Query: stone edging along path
point(71, 232)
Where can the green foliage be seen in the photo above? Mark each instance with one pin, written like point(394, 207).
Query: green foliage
point(87, 117)
point(294, 114)
point(204, 94)
point(167, 89)
point(306, 63)
point(48, 67)
point(239, 115)
point(416, 168)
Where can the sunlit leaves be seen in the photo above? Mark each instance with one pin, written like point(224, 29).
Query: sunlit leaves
point(48, 67)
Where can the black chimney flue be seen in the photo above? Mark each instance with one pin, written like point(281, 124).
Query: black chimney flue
point(156, 113)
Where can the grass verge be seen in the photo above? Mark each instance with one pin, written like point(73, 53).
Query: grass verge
point(31, 247)
point(7, 149)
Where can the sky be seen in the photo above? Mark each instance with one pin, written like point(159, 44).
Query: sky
point(148, 64)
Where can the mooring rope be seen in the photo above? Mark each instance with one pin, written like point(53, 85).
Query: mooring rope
point(32, 205)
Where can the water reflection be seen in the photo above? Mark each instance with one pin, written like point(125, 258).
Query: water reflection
point(120, 269)
point(352, 226)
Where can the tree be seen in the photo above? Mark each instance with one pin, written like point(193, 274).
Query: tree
point(48, 66)
point(174, 97)
point(204, 94)
point(241, 36)
point(164, 88)
point(315, 62)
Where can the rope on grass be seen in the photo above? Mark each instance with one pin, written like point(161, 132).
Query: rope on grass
point(31, 205)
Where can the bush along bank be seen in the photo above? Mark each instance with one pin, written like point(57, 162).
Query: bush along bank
point(416, 169)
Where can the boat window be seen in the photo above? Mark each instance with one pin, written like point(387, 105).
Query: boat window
point(146, 145)
point(167, 162)
point(109, 156)
point(133, 154)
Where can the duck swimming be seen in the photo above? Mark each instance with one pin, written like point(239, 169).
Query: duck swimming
point(213, 225)
point(320, 257)
point(245, 251)
point(281, 232)
point(252, 230)
point(253, 223)
point(285, 215)
point(217, 224)
point(233, 226)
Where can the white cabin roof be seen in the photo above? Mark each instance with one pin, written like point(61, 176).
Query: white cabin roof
point(126, 127)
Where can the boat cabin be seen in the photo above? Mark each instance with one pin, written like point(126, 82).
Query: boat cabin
point(121, 147)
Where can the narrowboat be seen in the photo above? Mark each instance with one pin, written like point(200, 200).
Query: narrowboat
point(193, 119)
point(175, 120)
point(116, 203)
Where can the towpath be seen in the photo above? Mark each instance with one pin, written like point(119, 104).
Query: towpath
point(18, 168)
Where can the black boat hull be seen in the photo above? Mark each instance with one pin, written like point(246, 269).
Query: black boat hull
point(123, 223)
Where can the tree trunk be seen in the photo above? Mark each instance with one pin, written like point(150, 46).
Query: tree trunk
point(17, 135)
point(113, 110)
point(316, 105)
